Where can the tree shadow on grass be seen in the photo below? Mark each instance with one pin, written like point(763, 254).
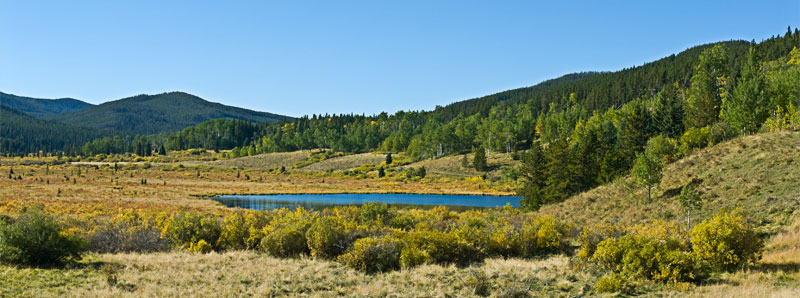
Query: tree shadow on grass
point(788, 267)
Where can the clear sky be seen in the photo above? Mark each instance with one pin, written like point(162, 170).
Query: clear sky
point(304, 57)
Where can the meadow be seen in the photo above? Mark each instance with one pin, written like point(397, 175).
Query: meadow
point(89, 196)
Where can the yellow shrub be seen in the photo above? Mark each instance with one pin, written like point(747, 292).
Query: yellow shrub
point(186, 228)
point(374, 254)
point(326, 238)
point(285, 236)
point(201, 247)
point(444, 248)
point(726, 241)
point(543, 235)
point(242, 230)
point(654, 252)
point(591, 236)
point(411, 257)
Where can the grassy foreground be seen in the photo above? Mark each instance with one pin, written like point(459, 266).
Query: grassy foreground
point(251, 274)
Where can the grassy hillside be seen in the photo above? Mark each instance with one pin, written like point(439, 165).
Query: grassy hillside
point(265, 161)
point(151, 114)
point(451, 166)
point(345, 162)
point(758, 174)
point(39, 108)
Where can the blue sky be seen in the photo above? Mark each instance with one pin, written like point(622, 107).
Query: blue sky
point(303, 57)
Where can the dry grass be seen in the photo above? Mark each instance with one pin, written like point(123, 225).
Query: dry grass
point(263, 161)
point(346, 162)
point(450, 166)
point(247, 273)
point(757, 174)
point(243, 273)
point(171, 187)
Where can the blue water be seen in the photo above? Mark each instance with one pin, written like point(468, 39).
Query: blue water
point(322, 201)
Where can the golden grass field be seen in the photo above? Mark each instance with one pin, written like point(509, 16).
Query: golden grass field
point(97, 188)
point(346, 162)
point(758, 174)
point(451, 166)
point(262, 161)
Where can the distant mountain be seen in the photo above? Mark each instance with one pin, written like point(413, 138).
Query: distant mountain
point(40, 108)
point(22, 133)
point(153, 114)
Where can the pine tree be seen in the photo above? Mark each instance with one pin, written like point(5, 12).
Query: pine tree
point(668, 113)
point(381, 172)
point(533, 172)
point(388, 159)
point(479, 160)
point(562, 172)
point(748, 107)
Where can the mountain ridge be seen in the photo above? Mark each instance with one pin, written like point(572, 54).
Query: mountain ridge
point(159, 113)
point(40, 107)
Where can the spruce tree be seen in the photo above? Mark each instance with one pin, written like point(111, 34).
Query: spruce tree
point(533, 172)
point(479, 161)
point(747, 109)
point(381, 172)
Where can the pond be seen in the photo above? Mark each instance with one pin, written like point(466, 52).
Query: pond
point(321, 201)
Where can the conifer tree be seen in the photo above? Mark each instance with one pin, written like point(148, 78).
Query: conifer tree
point(747, 109)
point(533, 172)
point(479, 160)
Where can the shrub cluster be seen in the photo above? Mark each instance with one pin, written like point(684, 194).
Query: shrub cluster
point(664, 253)
point(372, 237)
point(35, 238)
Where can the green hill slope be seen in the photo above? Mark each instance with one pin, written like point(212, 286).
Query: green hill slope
point(151, 114)
point(758, 174)
point(21, 133)
point(39, 108)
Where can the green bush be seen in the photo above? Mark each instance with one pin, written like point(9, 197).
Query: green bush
point(327, 238)
point(445, 248)
point(242, 230)
point(695, 138)
point(542, 236)
point(726, 241)
point(286, 241)
point(642, 257)
point(373, 255)
point(655, 252)
point(592, 236)
point(411, 257)
point(664, 148)
point(375, 212)
point(614, 282)
point(35, 238)
point(187, 228)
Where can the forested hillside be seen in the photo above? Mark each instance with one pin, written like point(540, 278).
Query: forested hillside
point(39, 108)
point(21, 133)
point(152, 114)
